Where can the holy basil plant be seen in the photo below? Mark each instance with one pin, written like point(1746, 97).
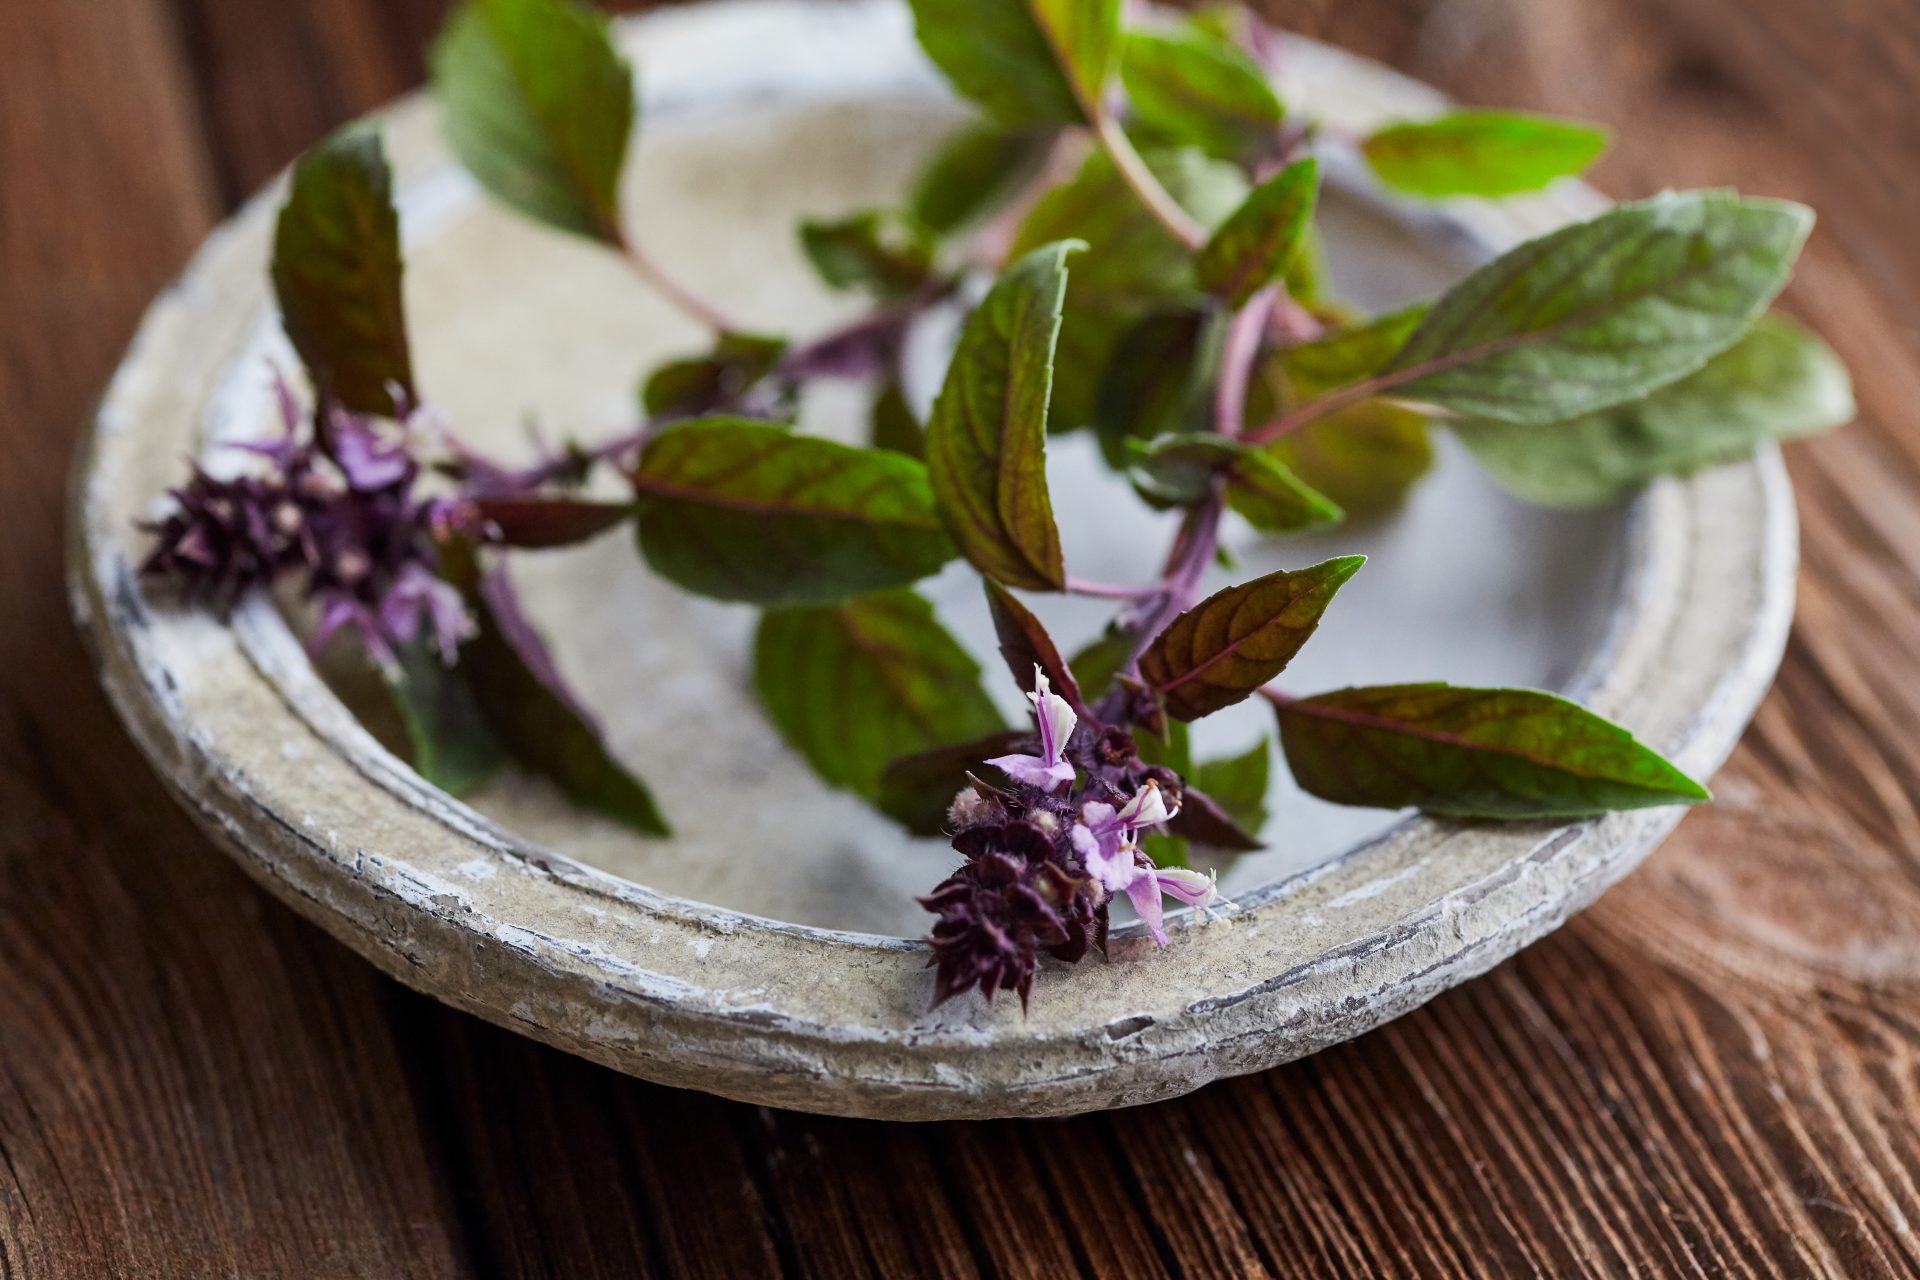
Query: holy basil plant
point(1125, 242)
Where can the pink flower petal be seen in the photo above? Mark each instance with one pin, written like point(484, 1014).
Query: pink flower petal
point(1145, 893)
point(1191, 887)
point(1034, 771)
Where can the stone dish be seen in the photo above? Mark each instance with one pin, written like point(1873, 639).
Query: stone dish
point(758, 954)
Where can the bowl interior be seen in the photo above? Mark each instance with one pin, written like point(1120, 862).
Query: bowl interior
point(514, 325)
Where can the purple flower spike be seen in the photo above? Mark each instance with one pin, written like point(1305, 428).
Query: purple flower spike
point(347, 519)
point(1050, 770)
point(1018, 894)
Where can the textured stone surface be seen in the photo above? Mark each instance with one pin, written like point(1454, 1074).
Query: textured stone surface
point(709, 998)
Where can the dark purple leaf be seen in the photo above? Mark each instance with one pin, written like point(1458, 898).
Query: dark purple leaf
point(539, 523)
point(1218, 652)
point(336, 273)
point(1025, 644)
point(1202, 820)
point(545, 727)
point(916, 790)
point(717, 380)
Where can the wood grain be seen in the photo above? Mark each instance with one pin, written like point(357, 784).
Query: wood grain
point(1714, 1071)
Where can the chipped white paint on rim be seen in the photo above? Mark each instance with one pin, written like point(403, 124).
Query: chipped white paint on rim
point(688, 994)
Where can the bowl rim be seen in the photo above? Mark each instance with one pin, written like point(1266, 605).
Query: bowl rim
point(602, 990)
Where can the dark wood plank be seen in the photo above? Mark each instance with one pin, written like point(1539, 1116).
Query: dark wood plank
point(1714, 1071)
point(185, 1080)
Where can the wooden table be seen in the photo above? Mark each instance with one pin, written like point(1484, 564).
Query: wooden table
point(1716, 1070)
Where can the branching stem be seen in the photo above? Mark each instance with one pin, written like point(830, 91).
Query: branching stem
point(1198, 541)
point(1314, 410)
point(1133, 170)
point(688, 303)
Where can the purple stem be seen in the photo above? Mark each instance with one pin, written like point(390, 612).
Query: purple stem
point(849, 350)
point(690, 304)
point(1241, 349)
point(1108, 590)
point(1134, 172)
point(1193, 550)
point(1198, 541)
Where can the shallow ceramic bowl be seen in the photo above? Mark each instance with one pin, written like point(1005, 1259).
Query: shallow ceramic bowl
point(760, 953)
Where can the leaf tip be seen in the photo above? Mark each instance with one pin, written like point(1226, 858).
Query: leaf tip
point(1690, 789)
point(1337, 570)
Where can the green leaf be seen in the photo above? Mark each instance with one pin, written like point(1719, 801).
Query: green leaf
point(537, 719)
point(883, 252)
point(854, 687)
point(336, 273)
point(1487, 753)
point(1167, 849)
point(894, 425)
point(1090, 338)
point(1025, 645)
point(1099, 662)
point(1777, 383)
point(1363, 458)
point(1157, 382)
point(1177, 470)
point(745, 510)
point(1602, 312)
point(996, 53)
point(1271, 498)
point(1190, 86)
point(977, 171)
point(987, 437)
point(452, 746)
point(1130, 256)
point(1172, 749)
point(704, 384)
point(539, 106)
point(1239, 784)
point(1481, 153)
point(1231, 820)
point(1225, 20)
point(1255, 246)
point(542, 523)
point(1085, 38)
point(1221, 650)
point(1132, 266)
point(1200, 821)
point(1306, 278)
point(917, 790)
point(1348, 355)
point(1366, 456)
